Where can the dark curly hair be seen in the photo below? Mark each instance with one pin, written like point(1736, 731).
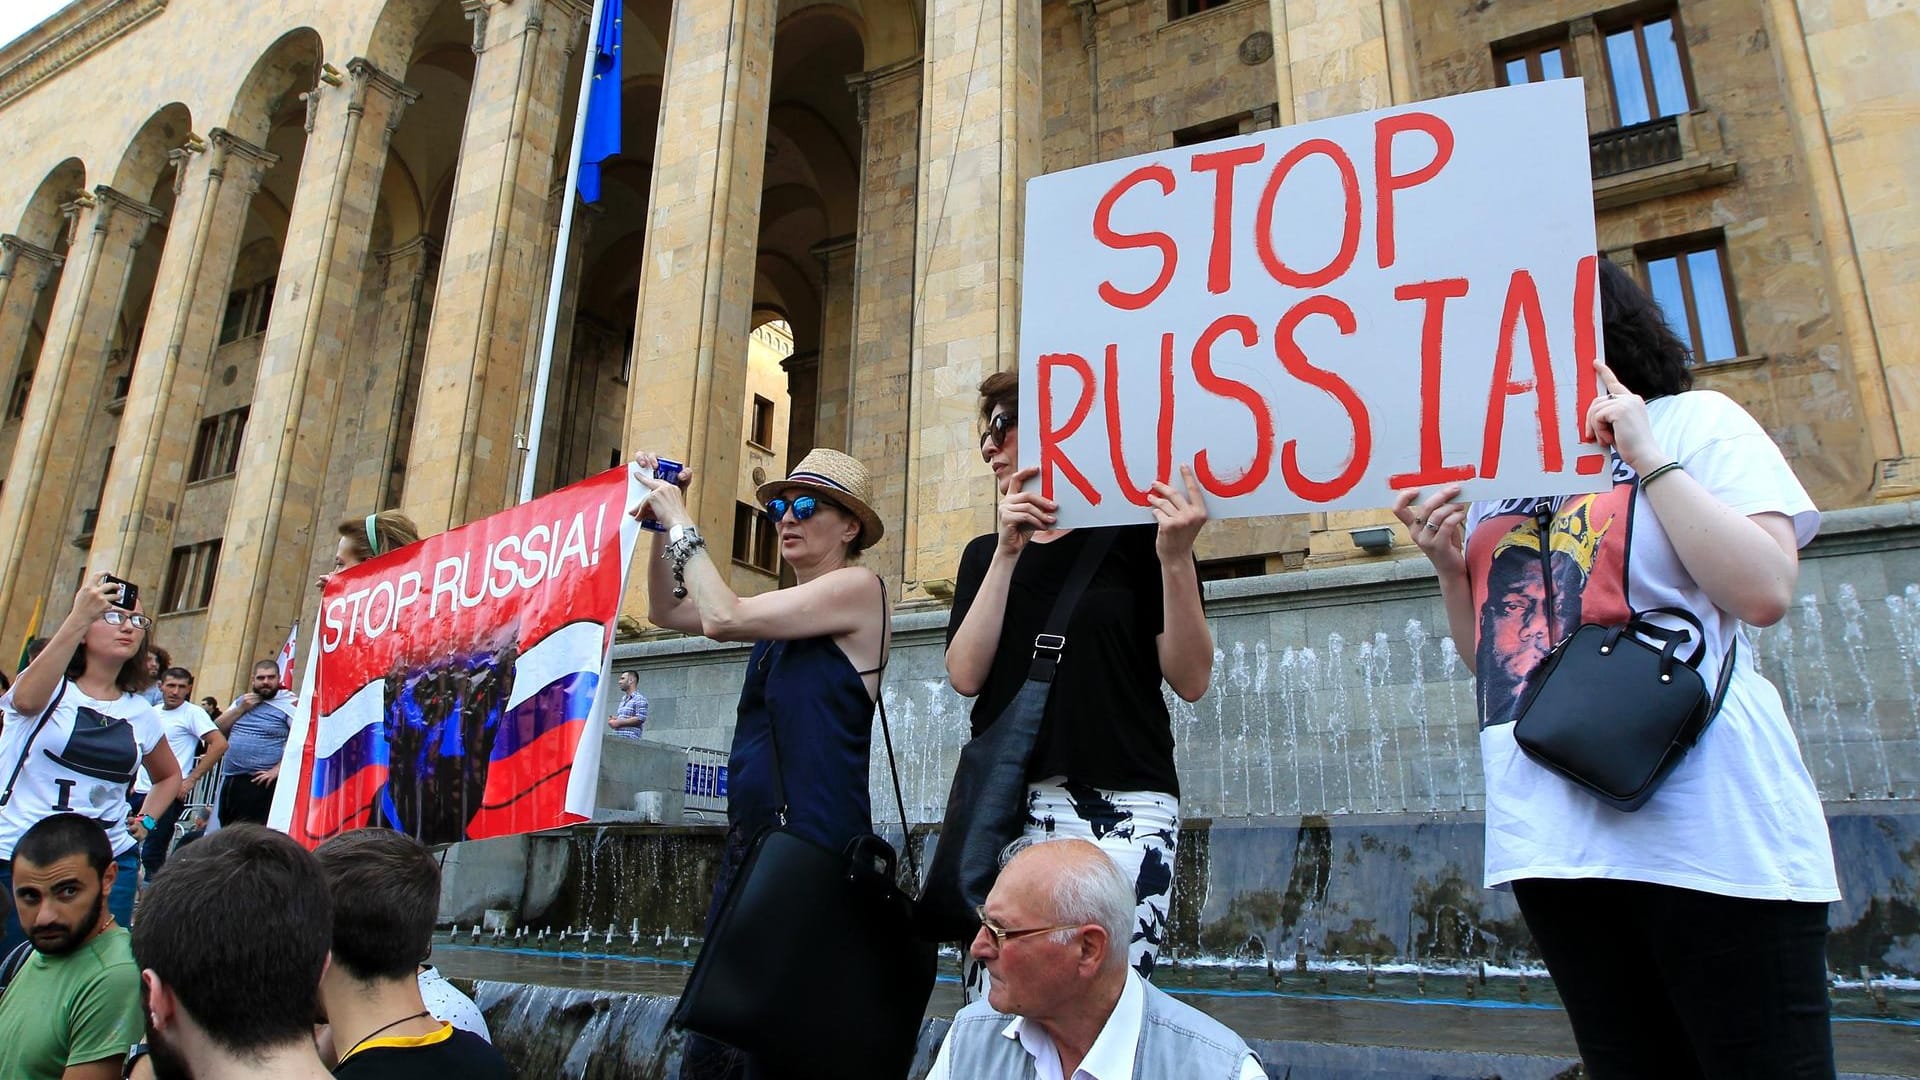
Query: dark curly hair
point(1641, 348)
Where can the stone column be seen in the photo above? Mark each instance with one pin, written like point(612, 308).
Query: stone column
point(979, 143)
point(36, 505)
point(1590, 63)
point(277, 488)
point(387, 415)
point(888, 104)
point(803, 404)
point(213, 189)
point(463, 463)
point(25, 271)
point(834, 381)
point(697, 273)
point(1339, 56)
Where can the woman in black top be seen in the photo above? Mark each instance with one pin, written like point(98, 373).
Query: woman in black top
point(1102, 768)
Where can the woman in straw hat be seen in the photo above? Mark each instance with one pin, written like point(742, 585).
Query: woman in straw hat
point(814, 671)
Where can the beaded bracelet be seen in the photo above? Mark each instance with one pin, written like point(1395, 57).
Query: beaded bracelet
point(1658, 473)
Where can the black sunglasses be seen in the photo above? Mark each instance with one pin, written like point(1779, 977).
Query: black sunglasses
point(997, 429)
point(803, 507)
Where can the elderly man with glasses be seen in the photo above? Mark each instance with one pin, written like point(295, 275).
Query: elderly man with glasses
point(1062, 1002)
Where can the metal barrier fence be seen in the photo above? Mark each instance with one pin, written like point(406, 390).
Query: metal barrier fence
point(706, 787)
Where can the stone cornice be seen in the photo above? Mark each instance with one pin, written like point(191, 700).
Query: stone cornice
point(13, 249)
point(65, 39)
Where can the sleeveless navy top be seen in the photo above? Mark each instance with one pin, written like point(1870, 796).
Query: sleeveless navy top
point(809, 690)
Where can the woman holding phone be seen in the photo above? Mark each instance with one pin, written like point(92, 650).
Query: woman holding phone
point(812, 679)
point(74, 730)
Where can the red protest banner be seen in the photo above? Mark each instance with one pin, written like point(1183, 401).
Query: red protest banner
point(456, 678)
point(1318, 316)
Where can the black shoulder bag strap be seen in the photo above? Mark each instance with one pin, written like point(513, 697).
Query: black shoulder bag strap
point(27, 748)
point(1052, 639)
point(893, 768)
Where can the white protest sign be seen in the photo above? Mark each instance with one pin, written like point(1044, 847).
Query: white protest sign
point(1317, 317)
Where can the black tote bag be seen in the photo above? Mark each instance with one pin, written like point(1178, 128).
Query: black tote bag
point(813, 964)
point(987, 804)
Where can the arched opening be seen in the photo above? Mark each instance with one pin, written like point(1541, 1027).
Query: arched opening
point(42, 225)
point(809, 210)
point(269, 114)
point(587, 396)
point(145, 174)
point(389, 344)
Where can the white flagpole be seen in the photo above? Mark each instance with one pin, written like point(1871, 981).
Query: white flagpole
point(537, 423)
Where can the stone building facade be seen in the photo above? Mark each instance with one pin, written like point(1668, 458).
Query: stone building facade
point(263, 266)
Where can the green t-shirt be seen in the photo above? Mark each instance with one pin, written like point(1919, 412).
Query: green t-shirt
point(72, 1009)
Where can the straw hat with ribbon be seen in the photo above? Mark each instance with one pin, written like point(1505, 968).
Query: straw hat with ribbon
point(840, 480)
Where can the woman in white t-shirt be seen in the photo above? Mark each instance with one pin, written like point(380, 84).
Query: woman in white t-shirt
point(74, 730)
point(1687, 938)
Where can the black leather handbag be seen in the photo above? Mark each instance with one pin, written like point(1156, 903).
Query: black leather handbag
point(813, 964)
point(1614, 714)
point(987, 804)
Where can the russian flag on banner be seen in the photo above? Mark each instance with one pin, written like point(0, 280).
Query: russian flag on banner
point(456, 678)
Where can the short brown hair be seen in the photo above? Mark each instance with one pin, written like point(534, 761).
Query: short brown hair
point(396, 530)
point(999, 390)
point(386, 896)
point(238, 928)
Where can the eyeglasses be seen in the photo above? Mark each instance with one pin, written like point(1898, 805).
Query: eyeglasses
point(803, 507)
point(997, 429)
point(114, 617)
point(1001, 935)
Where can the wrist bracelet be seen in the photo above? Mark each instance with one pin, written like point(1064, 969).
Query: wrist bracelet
point(680, 551)
point(1658, 473)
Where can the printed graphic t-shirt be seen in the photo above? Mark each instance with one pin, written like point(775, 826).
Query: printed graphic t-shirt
point(185, 727)
point(1739, 816)
point(82, 761)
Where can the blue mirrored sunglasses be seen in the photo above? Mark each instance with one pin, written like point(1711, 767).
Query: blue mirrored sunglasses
point(803, 507)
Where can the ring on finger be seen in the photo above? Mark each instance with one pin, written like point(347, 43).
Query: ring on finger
point(1431, 525)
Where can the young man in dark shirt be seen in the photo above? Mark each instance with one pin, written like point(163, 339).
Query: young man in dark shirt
point(231, 941)
point(386, 893)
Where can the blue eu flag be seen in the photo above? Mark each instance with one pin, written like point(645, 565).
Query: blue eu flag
point(601, 139)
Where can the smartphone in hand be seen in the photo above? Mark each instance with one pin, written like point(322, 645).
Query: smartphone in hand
point(129, 592)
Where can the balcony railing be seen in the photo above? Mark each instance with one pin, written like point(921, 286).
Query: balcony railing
point(1640, 146)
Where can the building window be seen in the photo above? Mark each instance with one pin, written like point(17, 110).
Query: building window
point(1538, 63)
point(760, 430)
point(190, 577)
point(247, 311)
point(216, 447)
point(1227, 569)
point(1180, 9)
point(1695, 291)
point(17, 400)
point(1647, 65)
point(756, 542)
point(1225, 128)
